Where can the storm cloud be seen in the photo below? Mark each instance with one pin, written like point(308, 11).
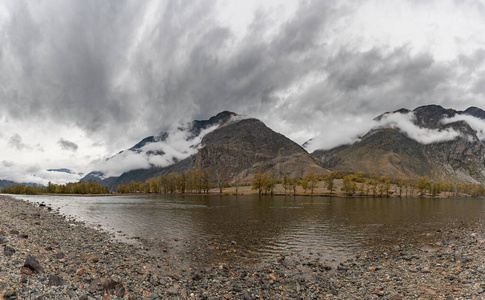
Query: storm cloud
point(120, 70)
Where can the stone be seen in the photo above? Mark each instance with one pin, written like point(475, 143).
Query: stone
point(8, 251)
point(112, 287)
point(26, 271)
point(96, 285)
point(246, 295)
point(80, 272)
point(33, 264)
point(55, 280)
point(460, 259)
point(93, 259)
point(10, 295)
point(172, 291)
point(227, 296)
point(36, 296)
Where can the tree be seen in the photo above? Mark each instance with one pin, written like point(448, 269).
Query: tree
point(349, 185)
point(305, 183)
point(312, 181)
point(293, 184)
point(423, 184)
point(285, 183)
point(271, 182)
point(260, 182)
point(329, 184)
point(205, 181)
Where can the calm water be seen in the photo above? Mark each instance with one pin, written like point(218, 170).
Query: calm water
point(206, 227)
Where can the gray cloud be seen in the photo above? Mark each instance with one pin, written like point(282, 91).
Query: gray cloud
point(122, 69)
point(7, 164)
point(68, 145)
point(16, 142)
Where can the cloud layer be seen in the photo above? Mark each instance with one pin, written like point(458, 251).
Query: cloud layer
point(120, 70)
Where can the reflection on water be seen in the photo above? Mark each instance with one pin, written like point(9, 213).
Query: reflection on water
point(251, 228)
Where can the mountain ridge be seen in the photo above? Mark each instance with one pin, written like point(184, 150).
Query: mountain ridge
point(388, 151)
point(233, 148)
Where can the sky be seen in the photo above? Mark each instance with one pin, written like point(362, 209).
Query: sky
point(81, 80)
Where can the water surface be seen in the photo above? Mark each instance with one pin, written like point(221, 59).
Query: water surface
point(247, 229)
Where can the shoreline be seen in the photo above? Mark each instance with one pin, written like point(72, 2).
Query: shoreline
point(80, 262)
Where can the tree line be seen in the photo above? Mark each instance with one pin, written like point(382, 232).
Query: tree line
point(198, 182)
point(193, 182)
point(365, 184)
point(81, 187)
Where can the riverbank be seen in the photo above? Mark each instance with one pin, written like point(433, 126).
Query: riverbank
point(80, 262)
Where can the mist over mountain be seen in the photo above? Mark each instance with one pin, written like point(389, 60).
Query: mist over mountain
point(444, 144)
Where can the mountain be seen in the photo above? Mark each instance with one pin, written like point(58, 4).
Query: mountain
point(228, 145)
point(444, 144)
point(6, 183)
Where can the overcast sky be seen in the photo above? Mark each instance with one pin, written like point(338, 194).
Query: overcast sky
point(82, 80)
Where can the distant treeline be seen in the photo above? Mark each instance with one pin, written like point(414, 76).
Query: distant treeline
point(81, 187)
point(194, 182)
point(364, 184)
point(197, 182)
point(348, 183)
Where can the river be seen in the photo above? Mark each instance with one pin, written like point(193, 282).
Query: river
point(252, 228)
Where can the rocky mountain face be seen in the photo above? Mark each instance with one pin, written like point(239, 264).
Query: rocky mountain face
point(391, 151)
point(240, 149)
point(237, 148)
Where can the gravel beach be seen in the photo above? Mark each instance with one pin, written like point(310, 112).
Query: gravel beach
point(44, 255)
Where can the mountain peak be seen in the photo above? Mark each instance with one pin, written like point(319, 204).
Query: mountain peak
point(400, 111)
point(430, 116)
point(220, 118)
point(475, 112)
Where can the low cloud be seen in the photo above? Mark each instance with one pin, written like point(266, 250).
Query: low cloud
point(475, 123)
point(67, 145)
point(405, 124)
point(178, 146)
point(23, 173)
point(338, 133)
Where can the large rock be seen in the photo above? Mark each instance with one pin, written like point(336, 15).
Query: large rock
point(33, 264)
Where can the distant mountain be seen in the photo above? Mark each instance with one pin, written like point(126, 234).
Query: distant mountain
point(63, 170)
point(443, 144)
point(6, 183)
point(228, 145)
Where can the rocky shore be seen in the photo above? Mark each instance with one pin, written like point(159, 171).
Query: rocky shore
point(44, 255)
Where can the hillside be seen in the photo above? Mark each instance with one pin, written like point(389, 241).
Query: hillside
point(459, 155)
